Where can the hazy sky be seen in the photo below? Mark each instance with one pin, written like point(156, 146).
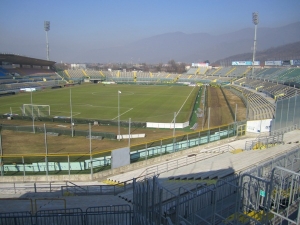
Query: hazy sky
point(94, 24)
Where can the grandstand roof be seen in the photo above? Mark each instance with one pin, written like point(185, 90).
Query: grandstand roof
point(23, 60)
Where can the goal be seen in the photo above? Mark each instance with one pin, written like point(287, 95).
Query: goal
point(36, 110)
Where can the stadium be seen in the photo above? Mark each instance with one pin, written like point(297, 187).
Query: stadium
point(213, 145)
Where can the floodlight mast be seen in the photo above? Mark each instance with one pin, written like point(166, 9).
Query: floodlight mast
point(255, 22)
point(47, 28)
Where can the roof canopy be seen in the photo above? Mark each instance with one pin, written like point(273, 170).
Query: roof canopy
point(23, 60)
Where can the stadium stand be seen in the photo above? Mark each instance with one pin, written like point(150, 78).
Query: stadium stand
point(25, 72)
point(223, 71)
point(266, 73)
point(258, 107)
point(290, 75)
point(209, 185)
point(272, 89)
point(75, 74)
point(192, 71)
point(281, 74)
point(3, 72)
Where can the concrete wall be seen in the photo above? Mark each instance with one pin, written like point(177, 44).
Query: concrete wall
point(167, 125)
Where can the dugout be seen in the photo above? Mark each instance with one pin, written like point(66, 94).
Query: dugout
point(7, 93)
point(96, 80)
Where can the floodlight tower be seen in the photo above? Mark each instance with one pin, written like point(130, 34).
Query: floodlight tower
point(47, 28)
point(255, 21)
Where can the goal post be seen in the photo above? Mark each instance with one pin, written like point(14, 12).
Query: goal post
point(36, 110)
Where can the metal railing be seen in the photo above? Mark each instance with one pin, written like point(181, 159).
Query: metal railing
point(93, 190)
point(266, 194)
point(181, 162)
point(102, 215)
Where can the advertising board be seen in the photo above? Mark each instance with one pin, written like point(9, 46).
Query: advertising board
point(273, 63)
point(241, 63)
point(245, 63)
point(200, 64)
point(258, 126)
point(295, 62)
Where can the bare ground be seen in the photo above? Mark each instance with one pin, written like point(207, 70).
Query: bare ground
point(27, 143)
point(219, 110)
point(236, 101)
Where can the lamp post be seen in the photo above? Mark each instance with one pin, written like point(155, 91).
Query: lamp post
point(47, 28)
point(72, 128)
point(129, 126)
point(46, 148)
point(255, 22)
point(174, 126)
point(119, 137)
point(91, 156)
point(31, 90)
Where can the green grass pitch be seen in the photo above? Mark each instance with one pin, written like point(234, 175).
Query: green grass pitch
point(97, 101)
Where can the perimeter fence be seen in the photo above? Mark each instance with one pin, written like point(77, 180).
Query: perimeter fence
point(79, 163)
point(67, 120)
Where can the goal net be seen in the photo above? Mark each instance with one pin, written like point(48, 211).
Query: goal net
point(36, 110)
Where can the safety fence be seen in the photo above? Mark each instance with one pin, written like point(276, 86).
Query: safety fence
point(287, 113)
point(181, 162)
point(268, 193)
point(102, 215)
point(264, 142)
point(75, 190)
point(67, 164)
point(66, 188)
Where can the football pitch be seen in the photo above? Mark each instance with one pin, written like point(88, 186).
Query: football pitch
point(102, 102)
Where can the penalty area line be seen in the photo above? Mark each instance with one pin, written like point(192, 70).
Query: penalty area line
point(122, 113)
point(183, 104)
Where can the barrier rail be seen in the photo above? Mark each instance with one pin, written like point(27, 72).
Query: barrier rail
point(175, 164)
point(67, 164)
point(102, 215)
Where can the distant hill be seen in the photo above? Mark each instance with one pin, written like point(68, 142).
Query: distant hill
point(284, 52)
point(194, 47)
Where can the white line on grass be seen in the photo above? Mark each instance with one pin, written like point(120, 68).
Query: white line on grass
point(122, 113)
point(183, 103)
point(123, 93)
point(58, 113)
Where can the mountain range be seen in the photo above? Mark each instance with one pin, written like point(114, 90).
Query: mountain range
point(195, 47)
point(283, 52)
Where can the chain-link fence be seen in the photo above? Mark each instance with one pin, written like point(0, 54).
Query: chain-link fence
point(67, 120)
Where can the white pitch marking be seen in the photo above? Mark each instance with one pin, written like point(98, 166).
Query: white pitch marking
point(122, 113)
point(123, 92)
point(183, 103)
